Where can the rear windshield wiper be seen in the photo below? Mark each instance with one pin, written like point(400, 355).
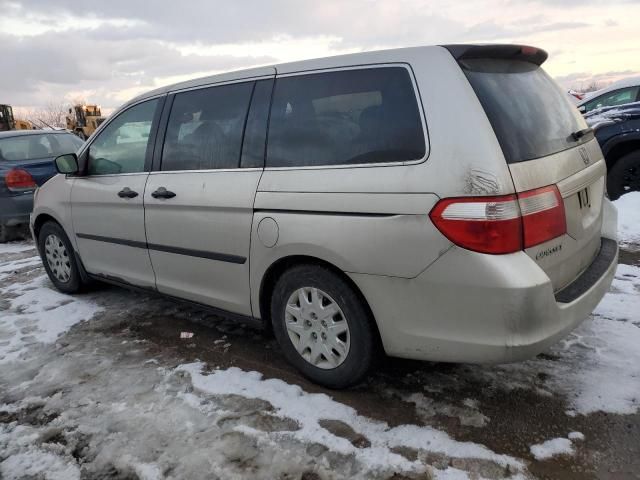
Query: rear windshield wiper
point(581, 133)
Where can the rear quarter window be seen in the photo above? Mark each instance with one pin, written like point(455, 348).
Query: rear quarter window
point(345, 118)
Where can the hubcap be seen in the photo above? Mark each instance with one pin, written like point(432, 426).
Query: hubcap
point(317, 328)
point(57, 258)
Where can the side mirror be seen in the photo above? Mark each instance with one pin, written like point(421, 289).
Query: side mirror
point(582, 109)
point(67, 164)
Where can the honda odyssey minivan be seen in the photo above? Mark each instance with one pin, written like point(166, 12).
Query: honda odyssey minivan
point(440, 203)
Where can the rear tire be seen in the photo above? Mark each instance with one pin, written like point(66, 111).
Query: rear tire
point(58, 258)
point(624, 176)
point(322, 326)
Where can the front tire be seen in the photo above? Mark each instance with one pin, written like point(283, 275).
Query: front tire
point(322, 326)
point(58, 258)
point(624, 176)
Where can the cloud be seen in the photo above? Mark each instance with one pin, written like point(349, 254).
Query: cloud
point(523, 27)
point(580, 80)
point(58, 65)
point(113, 49)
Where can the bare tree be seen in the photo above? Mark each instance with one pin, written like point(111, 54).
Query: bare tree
point(53, 114)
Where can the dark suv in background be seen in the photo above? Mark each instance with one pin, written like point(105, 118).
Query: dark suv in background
point(618, 132)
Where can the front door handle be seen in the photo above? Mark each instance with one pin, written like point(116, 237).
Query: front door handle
point(162, 192)
point(126, 192)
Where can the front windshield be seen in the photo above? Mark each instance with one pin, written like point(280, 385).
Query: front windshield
point(32, 147)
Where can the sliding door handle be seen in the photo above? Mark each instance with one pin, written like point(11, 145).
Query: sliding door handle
point(126, 192)
point(163, 193)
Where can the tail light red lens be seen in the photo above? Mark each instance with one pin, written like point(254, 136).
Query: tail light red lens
point(501, 224)
point(19, 180)
point(482, 224)
point(543, 216)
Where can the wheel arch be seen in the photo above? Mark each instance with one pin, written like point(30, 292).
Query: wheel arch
point(281, 265)
point(619, 146)
point(41, 219)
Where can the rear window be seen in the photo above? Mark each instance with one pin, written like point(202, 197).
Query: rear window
point(531, 116)
point(32, 147)
point(345, 118)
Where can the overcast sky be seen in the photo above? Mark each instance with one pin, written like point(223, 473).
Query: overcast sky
point(107, 51)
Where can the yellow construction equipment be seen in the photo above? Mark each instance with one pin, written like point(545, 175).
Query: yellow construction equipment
point(84, 119)
point(8, 122)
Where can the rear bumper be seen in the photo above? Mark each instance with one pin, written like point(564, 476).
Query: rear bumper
point(15, 210)
point(476, 308)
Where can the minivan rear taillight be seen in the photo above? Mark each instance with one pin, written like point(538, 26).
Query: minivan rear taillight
point(19, 180)
point(543, 216)
point(501, 224)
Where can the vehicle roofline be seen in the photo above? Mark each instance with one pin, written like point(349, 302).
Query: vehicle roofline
point(372, 56)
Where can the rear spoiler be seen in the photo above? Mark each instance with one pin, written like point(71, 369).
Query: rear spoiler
point(524, 53)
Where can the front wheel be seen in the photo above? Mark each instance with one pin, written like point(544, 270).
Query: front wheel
point(322, 326)
point(58, 259)
point(624, 176)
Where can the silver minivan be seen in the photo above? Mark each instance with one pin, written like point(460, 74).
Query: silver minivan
point(441, 203)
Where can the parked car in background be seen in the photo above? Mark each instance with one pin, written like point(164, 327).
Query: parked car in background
point(26, 161)
point(618, 132)
point(313, 196)
point(618, 93)
point(575, 97)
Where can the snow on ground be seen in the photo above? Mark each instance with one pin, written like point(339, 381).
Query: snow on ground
point(629, 218)
point(576, 436)
point(15, 247)
point(309, 410)
point(102, 399)
point(89, 401)
point(552, 448)
point(595, 368)
point(97, 399)
point(603, 358)
point(36, 314)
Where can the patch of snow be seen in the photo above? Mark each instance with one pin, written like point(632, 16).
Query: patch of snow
point(16, 247)
point(622, 303)
point(27, 460)
point(629, 217)
point(606, 368)
point(576, 436)
point(552, 448)
point(605, 352)
point(147, 471)
point(308, 409)
point(37, 314)
point(596, 367)
point(8, 268)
